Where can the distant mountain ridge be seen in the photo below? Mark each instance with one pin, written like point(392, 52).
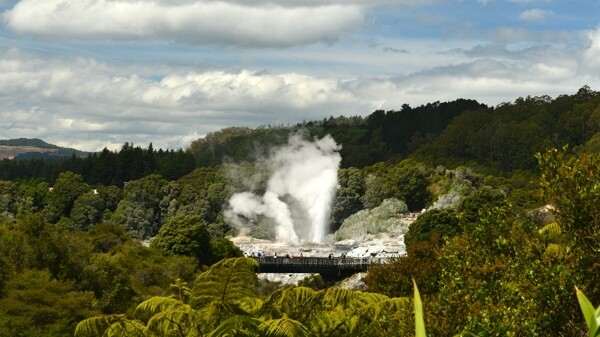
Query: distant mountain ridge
point(27, 148)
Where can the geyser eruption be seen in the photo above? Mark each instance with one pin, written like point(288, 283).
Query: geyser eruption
point(299, 191)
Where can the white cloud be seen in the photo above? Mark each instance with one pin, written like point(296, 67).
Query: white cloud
point(590, 62)
point(535, 15)
point(83, 103)
point(195, 22)
point(81, 99)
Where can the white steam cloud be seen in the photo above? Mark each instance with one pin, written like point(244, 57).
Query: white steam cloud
point(299, 192)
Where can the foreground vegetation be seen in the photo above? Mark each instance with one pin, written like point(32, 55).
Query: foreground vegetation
point(496, 274)
point(233, 308)
point(75, 248)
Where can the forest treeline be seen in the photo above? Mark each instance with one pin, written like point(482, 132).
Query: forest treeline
point(123, 241)
point(500, 139)
point(104, 168)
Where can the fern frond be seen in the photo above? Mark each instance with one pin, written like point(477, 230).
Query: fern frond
point(283, 327)
point(296, 299)
point(394, 304)
point(239, 326)
point(125, 327)
point(328, 323)
point(250, 305)
point(270, 309)
point(384, 311)
point(171, 323)
point(338, 296)
point(228, 281)
point(157, 304)
point(299, 294)
point(180, 289)
point(95, 326)
point(214, 314)
point(371, 298)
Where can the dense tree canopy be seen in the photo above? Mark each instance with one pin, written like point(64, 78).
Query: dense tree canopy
point(74, 233)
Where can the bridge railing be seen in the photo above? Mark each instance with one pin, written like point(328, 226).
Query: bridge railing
point(316, 263)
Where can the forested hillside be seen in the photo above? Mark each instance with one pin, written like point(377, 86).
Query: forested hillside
point(24, 148)
point(498, 140)
point(124, 240)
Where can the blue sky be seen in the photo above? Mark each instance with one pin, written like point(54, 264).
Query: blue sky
point(97, 73)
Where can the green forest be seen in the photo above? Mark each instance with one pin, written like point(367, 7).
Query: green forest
point(134, 242)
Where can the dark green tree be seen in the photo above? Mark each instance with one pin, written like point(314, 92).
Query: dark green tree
point(8, 200)
point(348, 196)
point(395, 278)
point(442, 223)
point(88, 210)
point(482, 199)
point(67, 188)
point(222, 248)
point(185, 235)
point(111, 195)
point(139, 212)
point(106, 235)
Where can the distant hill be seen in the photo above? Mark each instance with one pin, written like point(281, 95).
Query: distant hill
point(27, 148)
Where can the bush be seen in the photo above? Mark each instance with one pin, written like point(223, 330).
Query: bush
point(442, 223)
point(395, 278)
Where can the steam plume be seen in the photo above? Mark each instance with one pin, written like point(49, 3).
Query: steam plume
point(299, 191)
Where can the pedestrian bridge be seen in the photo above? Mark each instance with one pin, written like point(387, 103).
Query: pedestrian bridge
point(336, 266)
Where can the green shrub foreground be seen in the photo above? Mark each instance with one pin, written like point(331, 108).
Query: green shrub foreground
point(224, 302)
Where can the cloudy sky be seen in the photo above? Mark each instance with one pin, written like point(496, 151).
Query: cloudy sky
point(91, 74)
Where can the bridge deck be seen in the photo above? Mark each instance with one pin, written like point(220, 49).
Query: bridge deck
point(322, 265)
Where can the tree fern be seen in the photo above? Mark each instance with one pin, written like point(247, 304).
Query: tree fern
point(251, 305)
point(228, 281)
point(239, 326)
point(370, 298)
point(213, 314)
point(157, 304)
point(382, 318)
point(271, 308)
point(126, 328)
point(181, 290)
point(283, 327)
point(175, 323)
point(330, 323)
point(338, 296)
point(94, 326)
point(109, 326)
point(298, 302)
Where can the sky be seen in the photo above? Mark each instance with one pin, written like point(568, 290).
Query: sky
point(91, 74)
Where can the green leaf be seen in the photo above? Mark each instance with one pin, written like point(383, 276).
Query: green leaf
point(591, 315)
point(419, 321)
